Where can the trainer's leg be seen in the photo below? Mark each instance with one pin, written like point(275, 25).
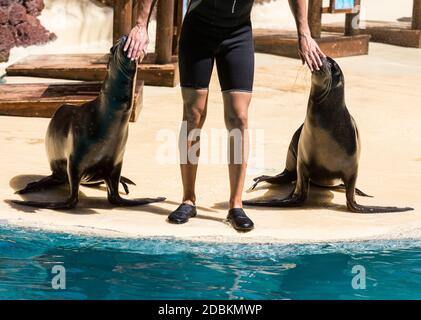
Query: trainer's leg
point(236, 105)
point(194, 115)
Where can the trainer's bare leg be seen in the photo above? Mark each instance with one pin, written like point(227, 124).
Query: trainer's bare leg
point(236, 105)
point(194, 114)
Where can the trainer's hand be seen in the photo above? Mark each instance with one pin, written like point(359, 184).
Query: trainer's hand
point(137, 43)
point(310, 52)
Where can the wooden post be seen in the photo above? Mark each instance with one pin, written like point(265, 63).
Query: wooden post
point(164, 31)
point(122, 21)
point(416, 15)
point(315, 17)
point(178, 21)
point(352, 20)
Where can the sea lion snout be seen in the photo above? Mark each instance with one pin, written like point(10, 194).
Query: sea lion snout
point(119, 59)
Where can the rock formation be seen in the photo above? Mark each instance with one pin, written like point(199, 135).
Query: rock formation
point(19, 25)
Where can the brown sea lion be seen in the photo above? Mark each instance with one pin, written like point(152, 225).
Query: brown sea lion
point(86, 144)
point(325, 150)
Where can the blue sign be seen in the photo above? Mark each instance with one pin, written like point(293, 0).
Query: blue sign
point(344, 4)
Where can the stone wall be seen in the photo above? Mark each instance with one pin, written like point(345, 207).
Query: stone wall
point(19, 25)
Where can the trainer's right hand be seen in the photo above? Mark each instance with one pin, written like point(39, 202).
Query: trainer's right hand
point(137, 42)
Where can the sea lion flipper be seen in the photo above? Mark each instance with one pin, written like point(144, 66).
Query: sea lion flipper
point(47, 205)
point(362, 193)
point(125, 187)
point(342, 188)
point(357, 208)
point(292, 201)
point(284, 177)
point(44, 183)
point(124, 182)
point(353, 206)
point(121, 202)
point(127, 181)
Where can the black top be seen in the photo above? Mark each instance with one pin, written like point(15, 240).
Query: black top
point(221, 13)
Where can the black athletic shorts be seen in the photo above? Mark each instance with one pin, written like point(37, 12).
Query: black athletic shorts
point(202, 44)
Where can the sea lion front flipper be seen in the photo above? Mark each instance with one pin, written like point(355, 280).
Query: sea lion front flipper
point(43, 184)
point(121, 202)
point(292, 201)
point(69, 204)
point(353, 206)
point(114, 196)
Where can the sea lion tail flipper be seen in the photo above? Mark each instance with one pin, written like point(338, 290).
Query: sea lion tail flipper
point(44, 183)
point(127, 181)
point(355, 207)
point(284, 177)
point(361, 193)
point(121, 202)
point(124, 182)
point(358, 192)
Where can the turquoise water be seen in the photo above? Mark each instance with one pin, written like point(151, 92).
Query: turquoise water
point(99, 268)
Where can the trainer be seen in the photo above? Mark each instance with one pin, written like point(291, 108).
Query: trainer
point(219, 31)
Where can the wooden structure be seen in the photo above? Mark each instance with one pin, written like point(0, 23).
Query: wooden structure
point(41, 100)
point(158, 69)
point(90, 67)
point(403, 33)
point(349, 43)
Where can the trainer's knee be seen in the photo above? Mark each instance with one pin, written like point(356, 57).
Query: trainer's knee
point(194, 117)
point(195, 107)
point(236, 121)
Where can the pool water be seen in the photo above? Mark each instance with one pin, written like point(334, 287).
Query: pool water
point(104, 268)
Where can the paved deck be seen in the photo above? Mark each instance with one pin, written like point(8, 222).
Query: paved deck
point(383, 94)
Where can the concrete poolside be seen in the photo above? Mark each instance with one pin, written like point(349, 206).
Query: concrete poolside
point(383, 94)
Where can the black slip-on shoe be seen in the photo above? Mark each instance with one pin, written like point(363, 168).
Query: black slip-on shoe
point(182, 214)
point(239, 220)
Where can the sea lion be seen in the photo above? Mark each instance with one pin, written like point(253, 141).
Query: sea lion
point(325, 150)
point(86, 144)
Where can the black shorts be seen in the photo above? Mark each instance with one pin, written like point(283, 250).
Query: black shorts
point(201, 44)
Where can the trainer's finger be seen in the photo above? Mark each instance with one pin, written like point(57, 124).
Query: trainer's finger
point(317, 60)
point(303, 60)
point(132, 48)
point(319, 56)
point(309, 63)
point(138, 50)
point(314, 61)
point(128, 41)
point(321, 53)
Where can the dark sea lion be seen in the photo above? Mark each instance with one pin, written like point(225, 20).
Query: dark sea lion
point(86, 144)
point(325, 150)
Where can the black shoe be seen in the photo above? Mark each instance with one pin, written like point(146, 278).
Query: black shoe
point(182, 214)
point(239, 220)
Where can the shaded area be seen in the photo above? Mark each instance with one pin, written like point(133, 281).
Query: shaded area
point(86, 205)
